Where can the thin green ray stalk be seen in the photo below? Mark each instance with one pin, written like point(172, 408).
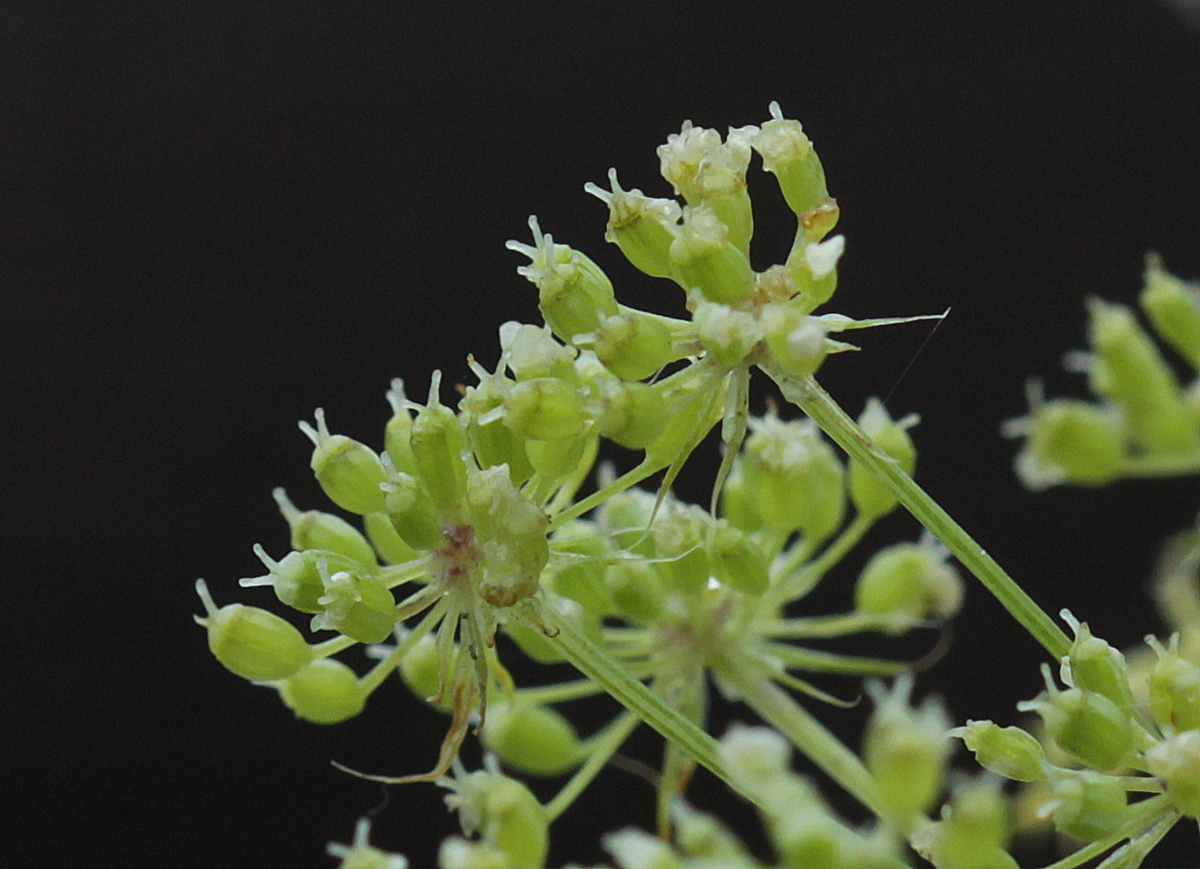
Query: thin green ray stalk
point(806, 394)
point(809, 736)
point(596, 664)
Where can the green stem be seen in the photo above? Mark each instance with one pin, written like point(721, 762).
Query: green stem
point(806, 394)
point(809, 736)
point(596, 664)
point(600, 748)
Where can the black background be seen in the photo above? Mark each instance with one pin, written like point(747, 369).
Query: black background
point(215, 217)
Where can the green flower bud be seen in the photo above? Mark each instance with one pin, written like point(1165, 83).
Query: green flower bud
point(297, 578)
point(694, 405)
point(1174, 688)
point(868, 493)
point(386, 540)
point(251, 642)
point(696, 162)
point(545, 408)
point(1173, 306)
point(706, 260)
point(794, 476)
point(493, 442)
point(530, 351)
point(643, 228)
point(457, 853)
point(506, 814)
point(559, 459)
point(361, 855)
point(1068, 441)
point(905, 749)
point(909, 580)
point(789, 154)
point(796, 340)
point(533, 739)
point(357, 606)
point(573, 292)
point(701, 836)
point(808, 835)
point(729, 335)
point(578, 569)
point(421, 671)
point(637, 590)
point(1129, 370)
point(737, 501)
point(680, 535)
point(312, 529)
point(813, 265)
point(349, 472)
point(975, 823)
point(1006, 751)
point(412, 512)
point(633, 415)
point(324, 692)
point(1094, 665)
point(438, 444)
point(737, 561)
point(1176, 760)
point(1086, 725)
point(636, 849)
point(398, 431)
point(633, 345)
point(1087, 805)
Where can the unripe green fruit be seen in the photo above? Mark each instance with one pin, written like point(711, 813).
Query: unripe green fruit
point(349, 472)
point(871, 497)
point(1073, 442)
point(545, 408)
point(796, 340)
point(643, 228)
point(251, 642)
point(438, 444)
point(1175, 690)
point(788, 153)
point(706, 260)
point(1094, 665)
point(905, 749)
point(297, 578)
point(909, 579)
point(412, 512)
point(532, 739)
point(633, 345)
point(737, 561)
point(1088, 805)
point(358, 607)
point(421, 672)
point(1006, 751)
point(728, 334)
point(384, 537)
point(632, 414)
point(1176, 760)
point(324, 692)
point(1174, 308)
point(1086, 725)
point(312, 529)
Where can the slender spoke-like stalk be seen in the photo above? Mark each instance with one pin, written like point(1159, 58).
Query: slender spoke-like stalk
point(822, 409)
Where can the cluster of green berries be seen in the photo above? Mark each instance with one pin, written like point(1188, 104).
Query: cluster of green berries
point(1144, 421)
point(1104, 737)
point(492, 516)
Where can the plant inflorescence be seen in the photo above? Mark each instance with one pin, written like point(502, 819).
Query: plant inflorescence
point(497, 515)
